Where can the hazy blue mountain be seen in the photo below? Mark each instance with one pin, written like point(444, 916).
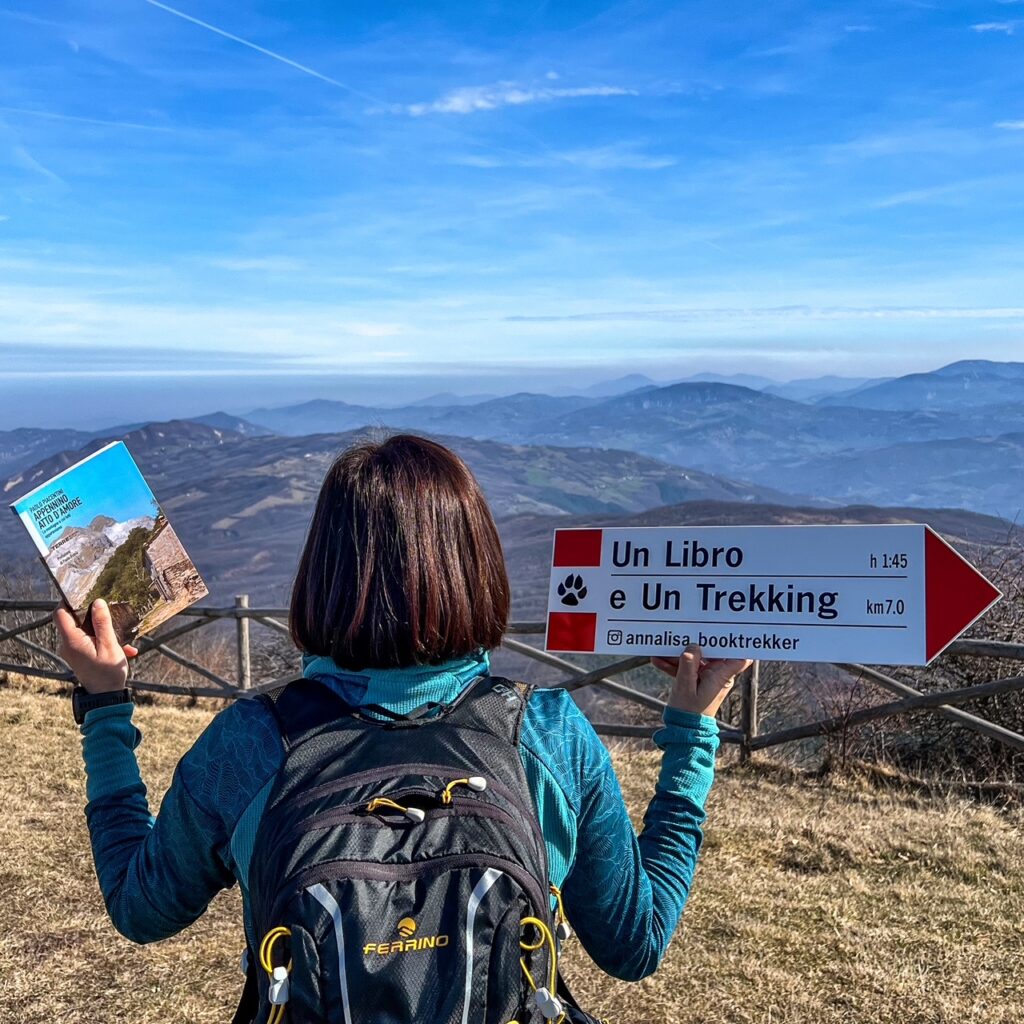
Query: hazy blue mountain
point(983, 474)
point(512, 418)
point(620, 385)
point(22, 448)
point(318, 416)
point(741, 380)
point(237, 425)
point(450, 398)
point(975, 383)
point(170, 441)
point(812, 389)
point(723, 429)
point(719, 424)
point(735, 431)
point(982, 367)
point(505, 419)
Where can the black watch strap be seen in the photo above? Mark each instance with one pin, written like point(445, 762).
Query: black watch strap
point(82, 701)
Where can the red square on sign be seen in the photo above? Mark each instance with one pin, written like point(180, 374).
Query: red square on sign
point(577, 549)
point(571, 631)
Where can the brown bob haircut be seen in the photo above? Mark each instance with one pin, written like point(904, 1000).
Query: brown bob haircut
point(402, 564)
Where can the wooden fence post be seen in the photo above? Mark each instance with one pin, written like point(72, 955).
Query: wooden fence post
point(242, 634)
point(748, 710)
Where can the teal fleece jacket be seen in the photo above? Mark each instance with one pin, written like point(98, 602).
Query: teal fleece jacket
point(622, 893)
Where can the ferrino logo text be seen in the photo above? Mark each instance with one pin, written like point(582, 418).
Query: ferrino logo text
point(408, 942)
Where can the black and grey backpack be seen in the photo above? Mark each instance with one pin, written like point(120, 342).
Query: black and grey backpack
point(399, 874)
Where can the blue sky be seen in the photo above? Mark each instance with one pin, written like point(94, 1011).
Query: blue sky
point(526, 192)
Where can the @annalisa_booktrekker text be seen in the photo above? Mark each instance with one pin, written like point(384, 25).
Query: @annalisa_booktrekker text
point(101, 534)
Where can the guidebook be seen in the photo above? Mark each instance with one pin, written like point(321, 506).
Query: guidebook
point(101, 534)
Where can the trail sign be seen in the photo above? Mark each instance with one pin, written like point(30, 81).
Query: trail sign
point(885, 595)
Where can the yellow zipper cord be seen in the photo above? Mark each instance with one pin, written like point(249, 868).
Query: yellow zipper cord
point(266, 962)
point(477, 783)
point(414, 814)
point(446, 796)
point(545, 937)
point(379, 802)
point(560, 917)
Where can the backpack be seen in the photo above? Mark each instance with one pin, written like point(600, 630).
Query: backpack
point(399, 874)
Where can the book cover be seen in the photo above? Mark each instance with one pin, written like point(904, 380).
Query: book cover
point(101, 534)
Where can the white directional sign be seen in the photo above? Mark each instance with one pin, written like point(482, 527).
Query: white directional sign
point(886, 595)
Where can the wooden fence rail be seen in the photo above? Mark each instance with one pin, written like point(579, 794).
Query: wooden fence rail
point(748, 736)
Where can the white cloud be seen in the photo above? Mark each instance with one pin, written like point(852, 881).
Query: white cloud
point(1006, 27)
point(267, 264)
point(930, 194)
point(1011, 126)
point(371, 330)
point(473, 98)
point(607, 158)
point(615, 156)
point(783, 313)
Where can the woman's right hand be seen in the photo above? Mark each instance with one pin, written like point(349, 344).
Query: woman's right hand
point(99, 662)
point(700, 686)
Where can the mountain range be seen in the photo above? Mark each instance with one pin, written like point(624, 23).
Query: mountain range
point(240, 488)
point(970, 383)
point(241, 503)
point(863, 450)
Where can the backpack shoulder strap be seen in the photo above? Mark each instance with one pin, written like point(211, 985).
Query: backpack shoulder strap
point(495, 705)
point(491, 703)
point(301, 706)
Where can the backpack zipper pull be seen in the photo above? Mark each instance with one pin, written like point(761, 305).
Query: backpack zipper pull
point(414, 814)
point(477, 783)
point(550, 1006)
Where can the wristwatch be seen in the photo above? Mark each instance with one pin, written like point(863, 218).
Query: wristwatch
point(82, 701)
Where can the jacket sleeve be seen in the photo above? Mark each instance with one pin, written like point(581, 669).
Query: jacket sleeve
point(624, 894)
point(158, 874)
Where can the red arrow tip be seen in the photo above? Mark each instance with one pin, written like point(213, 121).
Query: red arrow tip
point(955, 594)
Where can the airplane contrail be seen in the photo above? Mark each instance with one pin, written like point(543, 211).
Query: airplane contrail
point(262, 49)
point(53, 115)
point(375, 100)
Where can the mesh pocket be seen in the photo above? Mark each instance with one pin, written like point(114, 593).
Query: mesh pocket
point(439, 945)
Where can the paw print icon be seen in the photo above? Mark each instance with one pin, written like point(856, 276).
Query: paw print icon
point(572, 590)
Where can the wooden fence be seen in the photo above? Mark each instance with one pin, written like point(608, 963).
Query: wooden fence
point(35, 615)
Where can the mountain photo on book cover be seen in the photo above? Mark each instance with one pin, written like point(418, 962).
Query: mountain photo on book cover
point(102, 534)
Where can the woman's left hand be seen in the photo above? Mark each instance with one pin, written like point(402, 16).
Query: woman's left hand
point(99, 662)
point(700, 686)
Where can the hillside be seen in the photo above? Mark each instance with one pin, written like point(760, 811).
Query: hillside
point(815, 901)
point(949, 437)
point(28, 446)
point(241, 504)
point(170, 439)
point(506, 418)
point(980, 472)
point(736, 431)
point(977, 383)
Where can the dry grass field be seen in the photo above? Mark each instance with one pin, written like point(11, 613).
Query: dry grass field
point(822, 902)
